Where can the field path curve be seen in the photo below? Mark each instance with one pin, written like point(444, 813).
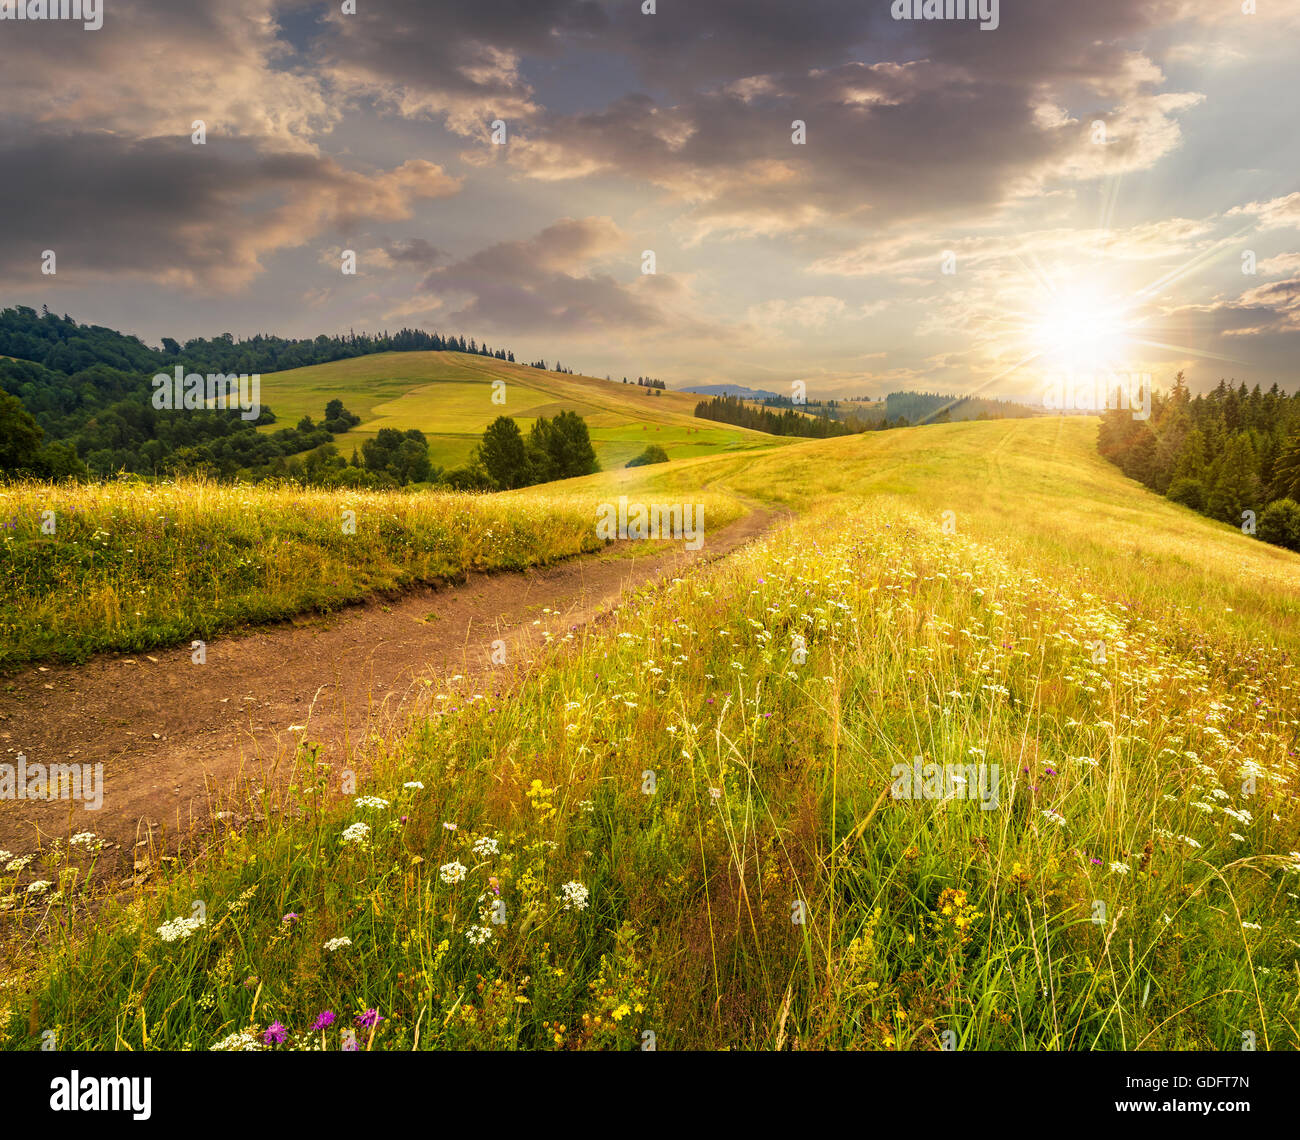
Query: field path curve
point(175, 738)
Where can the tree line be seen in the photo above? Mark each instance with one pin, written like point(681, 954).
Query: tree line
point(733, 410)
point(1231, 454)
point(76, 401)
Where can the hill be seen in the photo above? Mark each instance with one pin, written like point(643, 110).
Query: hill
point(448, 396)
point(1101, 678)
point(730, 390)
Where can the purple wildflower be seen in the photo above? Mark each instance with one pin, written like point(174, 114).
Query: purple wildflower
point(324, 1020)
point(275, 1034)
point(369, 1019)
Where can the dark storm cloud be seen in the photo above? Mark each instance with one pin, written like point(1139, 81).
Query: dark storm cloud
point(904, 118)
point(201, 217)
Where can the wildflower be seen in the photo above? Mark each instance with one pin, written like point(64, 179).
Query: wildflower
point(452, 872)
point(355, 833)
point(243, 1041)
point(275, 1034)
point(575, 896)
point(39, 887)
point(449, 826)
point(1120, 868)
point(337, 943)
point(367, 1020)
point(477, 935)
point(483, 847)
point(291, 917)
point(324, 1020)
point(1054, 816)
point(414, 785)
point(178, 929)
point(370, 802)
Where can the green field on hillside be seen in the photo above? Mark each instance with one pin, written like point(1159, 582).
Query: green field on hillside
point(990, 600)
point(448, 396)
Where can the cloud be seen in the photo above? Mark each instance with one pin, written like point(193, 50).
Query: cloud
point(1276, 213)
point(810, 312)
point(156, 66)
point(558, 281)
point(203, 218)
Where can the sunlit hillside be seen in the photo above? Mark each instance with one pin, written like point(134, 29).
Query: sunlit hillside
point(449, 397)
point(697, 819)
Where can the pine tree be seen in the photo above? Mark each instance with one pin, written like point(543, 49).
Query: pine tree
point(1236, 482)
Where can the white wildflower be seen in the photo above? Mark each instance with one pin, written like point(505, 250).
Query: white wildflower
point(355, 833)
point(575, 896)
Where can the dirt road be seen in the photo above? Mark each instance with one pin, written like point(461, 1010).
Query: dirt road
point(174, 736)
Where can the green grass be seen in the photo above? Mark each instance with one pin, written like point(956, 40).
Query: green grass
point(448, 396)
point(132, 566)
point(1136, 885)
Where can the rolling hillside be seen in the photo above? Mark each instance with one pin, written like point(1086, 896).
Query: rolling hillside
point(448, 396)
point(1102, 853)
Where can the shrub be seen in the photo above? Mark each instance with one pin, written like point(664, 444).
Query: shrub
point(1188, 492)
point(1280, 524)
point(652, 454)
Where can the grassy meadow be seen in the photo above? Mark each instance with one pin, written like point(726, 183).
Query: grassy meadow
point(681, 822)
point(134, 565)
point(448, 396)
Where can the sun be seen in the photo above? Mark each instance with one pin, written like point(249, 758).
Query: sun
point(1080, 329)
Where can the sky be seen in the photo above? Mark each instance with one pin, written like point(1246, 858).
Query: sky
point(825, 193)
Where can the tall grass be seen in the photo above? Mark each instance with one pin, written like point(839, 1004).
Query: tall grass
point(133, 565)
point(663, 798)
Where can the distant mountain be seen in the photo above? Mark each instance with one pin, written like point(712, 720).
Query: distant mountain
point(730, 390)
